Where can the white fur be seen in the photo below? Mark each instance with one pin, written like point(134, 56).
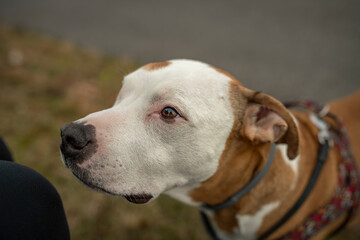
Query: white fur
point(250, 224)
point(293, 163)
point(138, 152)
point(182, 194)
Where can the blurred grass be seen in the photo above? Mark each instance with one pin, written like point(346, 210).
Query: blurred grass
point(44, 84)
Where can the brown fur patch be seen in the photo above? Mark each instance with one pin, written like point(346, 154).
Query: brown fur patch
point(156, 66)
point(226, 73)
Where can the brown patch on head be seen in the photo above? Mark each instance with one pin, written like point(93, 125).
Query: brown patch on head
point(226, 74)
point(156, 66)
point(238, 103)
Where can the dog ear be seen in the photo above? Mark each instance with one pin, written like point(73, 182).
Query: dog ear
point(266, 120)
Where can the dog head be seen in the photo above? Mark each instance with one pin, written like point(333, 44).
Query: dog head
point(168, 128)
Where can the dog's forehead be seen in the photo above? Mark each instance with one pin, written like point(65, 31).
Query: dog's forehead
point(186, 75)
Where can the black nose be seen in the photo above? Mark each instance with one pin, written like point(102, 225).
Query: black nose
point(78, 141)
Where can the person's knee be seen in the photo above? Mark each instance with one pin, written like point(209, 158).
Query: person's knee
point(30, 205)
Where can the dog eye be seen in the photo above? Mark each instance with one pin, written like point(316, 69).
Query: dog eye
point(169, 113)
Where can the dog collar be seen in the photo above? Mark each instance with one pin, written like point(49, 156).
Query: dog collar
point(230, 201)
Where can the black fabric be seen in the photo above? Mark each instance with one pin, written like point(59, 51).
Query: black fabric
point(30, 207)
point(4, 151)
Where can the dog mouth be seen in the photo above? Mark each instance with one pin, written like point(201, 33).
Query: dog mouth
point(133, 198)
point(139, 198)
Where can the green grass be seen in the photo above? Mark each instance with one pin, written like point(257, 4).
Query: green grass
point(55, 83)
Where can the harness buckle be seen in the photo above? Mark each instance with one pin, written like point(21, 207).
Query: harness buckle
point(324, 133)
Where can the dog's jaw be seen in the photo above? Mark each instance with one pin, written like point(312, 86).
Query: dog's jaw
point(182, 194)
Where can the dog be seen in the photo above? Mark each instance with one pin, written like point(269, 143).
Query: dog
point(192, 131)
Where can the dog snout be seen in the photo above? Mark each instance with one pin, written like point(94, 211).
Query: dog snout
point(78, 141)
point(74, 136)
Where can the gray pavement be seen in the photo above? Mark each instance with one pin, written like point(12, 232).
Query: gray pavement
point(290, 49)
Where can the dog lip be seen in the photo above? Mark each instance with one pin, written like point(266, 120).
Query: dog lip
point(134, 198)
point(89, 184)
point(139, 198)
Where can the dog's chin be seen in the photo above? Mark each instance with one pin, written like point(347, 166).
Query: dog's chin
point(91, 185)
point(133, 198)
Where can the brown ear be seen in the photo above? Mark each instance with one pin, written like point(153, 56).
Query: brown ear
point(267, 120)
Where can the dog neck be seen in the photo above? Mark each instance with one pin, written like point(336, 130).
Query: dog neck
point(273, 196)
point(239, 164)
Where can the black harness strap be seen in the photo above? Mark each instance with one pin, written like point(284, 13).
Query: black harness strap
point(208, 227)
point(322, 156)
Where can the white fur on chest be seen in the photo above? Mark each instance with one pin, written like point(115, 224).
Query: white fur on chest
point(250, 224)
